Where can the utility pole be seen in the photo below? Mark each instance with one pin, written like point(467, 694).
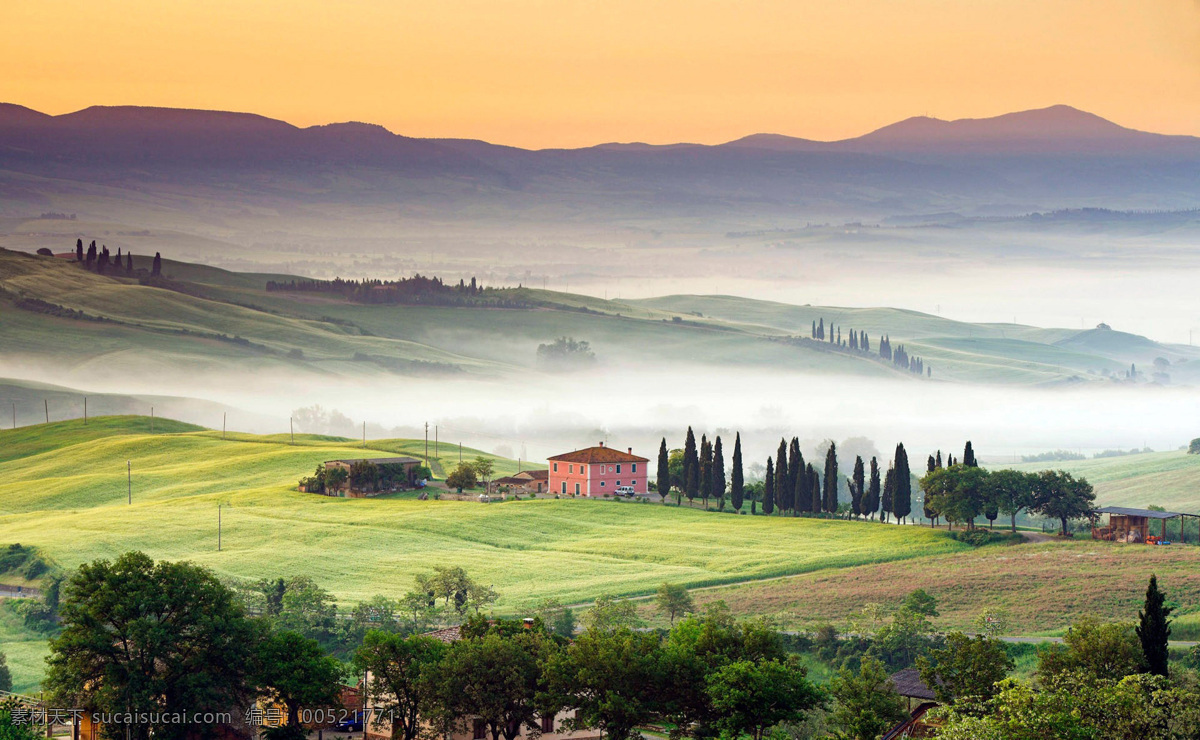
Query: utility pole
point(426, 441)
point(292, 430)
point(435, 441)
point(14, 414)
point(129, 479)
point(152, 420)
point(218, 528)
point(46, 403)
point(224, 418)
point(85, 411)
point(460, 453)
point(364, 435)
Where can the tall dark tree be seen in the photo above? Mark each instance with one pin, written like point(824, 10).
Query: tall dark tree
point(719, 482)
point(91, 254)
point(830, 492)
point(889, 490)
point(864, 343)
point(871, 497)
point(795, 473)
point(902, 492)
point(814, 488)
point(926, 503)
point(79, 250)
point(821, 329)
point(801, 497)
point(1154, 628)
point(814, 330)
point(768, 496)
point(129, 263)
point(857, 483)
point(968, 457)
point(664, 470)
point(706, 469)
point(938, 460)
point(737, 483)
point(783, 484)
point(691, 466)
point(156, 267)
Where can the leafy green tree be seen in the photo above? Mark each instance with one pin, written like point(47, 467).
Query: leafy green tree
point(768, 498)
point(308, 609)
point(495, 677)
point(871, 497)
point(464, 476)
point(902, 494)
point(1094, 651)
point(677, 465)
point(1194, 447)
point(397, 668)
point(1154, 629)
point(610, 613)
point(296, 672)
point(140, 637)
point(902, 640)
point(484, 467)
point(830, 497)
point(865, 703)
point(335, 477)
point(967, 668)
point(752, 696)
point(611, 677)
point(1011, 491)
point(6, 683)
point(377, 613)
point(920, 602)
point(737, 481)
point(1059, 495)
point(674, 601)
point(664, 471)
point(958, 492)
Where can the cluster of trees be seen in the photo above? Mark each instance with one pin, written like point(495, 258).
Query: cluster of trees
point(415, 290)
point(565, 353)
point(103, 262)
point(860, 341)
point(699, 471)
point(471, 474)
point(363, 475)
point(962, 491)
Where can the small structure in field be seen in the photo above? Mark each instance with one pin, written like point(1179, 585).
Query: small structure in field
point(527, 481)
point(1134, 525)
point(598, 471)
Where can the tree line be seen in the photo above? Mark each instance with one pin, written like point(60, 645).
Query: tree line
point(860, 341)
point(416, 290)
point(102, 262)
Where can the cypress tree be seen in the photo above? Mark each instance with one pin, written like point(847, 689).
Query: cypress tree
point(857, 483)
point(91, 254)
point(118, 262)
point(902, 491)
point(719, 481)
point(814, 330)
point(737, 484)
point(864, 343)
point(706, 469)
point(664, 470)
point(871, 499)
point(79, 250)
point(691, 467)
point(938, 459)
point(801, 498)
point(783, 485)
point(156, 267)
point(129, 262)
point(821, 329)
point(831, 479)
point(889, 488)
point(930, 465)
point(769, 488)
point(814, 488)
point(968, 458)
point(1154, 629)
point(795, 469)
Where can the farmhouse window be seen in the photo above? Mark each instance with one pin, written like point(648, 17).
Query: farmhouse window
point(602, 484)
point(556, 467)
point(576, 489)
point(633, 467)
point(570, 468)
point(564, 490)
point(480, 730)
point(548, 724)
point(618, 468)
point(618, 483)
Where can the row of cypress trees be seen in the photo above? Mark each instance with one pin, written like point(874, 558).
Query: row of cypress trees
point(859, 341)
point(101, 261)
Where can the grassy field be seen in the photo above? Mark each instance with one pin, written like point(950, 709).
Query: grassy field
point(220, 320)
point(1167, 479)
point(1042, 587)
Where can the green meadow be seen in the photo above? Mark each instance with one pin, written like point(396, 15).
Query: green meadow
point(1167, 479)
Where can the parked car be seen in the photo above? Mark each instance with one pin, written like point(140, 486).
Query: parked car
point(626, 491)
point(352, 723)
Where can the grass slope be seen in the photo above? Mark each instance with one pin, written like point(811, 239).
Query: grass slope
point(1167, 479)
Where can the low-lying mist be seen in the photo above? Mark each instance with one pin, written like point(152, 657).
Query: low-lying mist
point(535, 415)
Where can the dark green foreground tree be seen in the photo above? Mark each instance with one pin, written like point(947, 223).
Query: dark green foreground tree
point(1154, 629)
point(139, 636)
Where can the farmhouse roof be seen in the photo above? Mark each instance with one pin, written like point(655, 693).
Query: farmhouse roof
point(533, 474)
point(909, 684)
point(599, 454)
point(1147, 513)
point(447, 635)
point(379, 460)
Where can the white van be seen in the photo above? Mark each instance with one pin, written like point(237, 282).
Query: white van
point(625, 491)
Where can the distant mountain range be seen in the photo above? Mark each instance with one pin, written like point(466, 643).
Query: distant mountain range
point(1049, 158)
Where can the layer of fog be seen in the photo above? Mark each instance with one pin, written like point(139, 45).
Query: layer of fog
point(534, 415)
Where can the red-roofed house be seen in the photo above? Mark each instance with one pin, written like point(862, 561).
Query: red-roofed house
point(597, 471)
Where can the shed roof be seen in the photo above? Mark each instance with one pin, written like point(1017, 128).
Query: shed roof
point(1147, 513)
point(909, 684)
point(379, 460)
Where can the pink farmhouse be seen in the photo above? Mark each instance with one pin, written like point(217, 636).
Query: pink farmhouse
point(597, 471)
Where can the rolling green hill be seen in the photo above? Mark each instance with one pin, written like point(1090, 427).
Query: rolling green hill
point(1167, 479)
point(203, 319)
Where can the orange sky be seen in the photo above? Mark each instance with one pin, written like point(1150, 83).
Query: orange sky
point(542, 73)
